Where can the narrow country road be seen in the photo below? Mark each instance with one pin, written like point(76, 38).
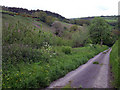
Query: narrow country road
point(88, 75)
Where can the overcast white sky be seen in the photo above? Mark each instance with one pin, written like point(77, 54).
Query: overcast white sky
point(68, 8)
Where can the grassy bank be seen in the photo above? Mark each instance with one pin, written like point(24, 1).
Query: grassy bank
point(114, 61)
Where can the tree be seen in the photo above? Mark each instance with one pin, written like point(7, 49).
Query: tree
point(99, 30)
point(73, 28)
point(80, 37)
point(41, 15)
point(58, 28)
point(49, 20)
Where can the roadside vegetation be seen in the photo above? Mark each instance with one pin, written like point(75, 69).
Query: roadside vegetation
point(40, 72)
point(37, 51)
point(115, 63)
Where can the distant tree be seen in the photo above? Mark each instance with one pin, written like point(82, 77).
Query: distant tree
point(58, 28)
point(79, 38)
point(40, 14)
point(72, 21)
point(77, 21)
point(35, 14)
point(67, 21)
point(99, 30)
point(73, 28)
point(49, 20)
point(80, 22)
point(112, 37)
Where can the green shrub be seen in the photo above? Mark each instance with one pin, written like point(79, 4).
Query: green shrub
point(66, 49)
point(20, 53)
point(79, 38)
point(49, 20)
point(73, 28)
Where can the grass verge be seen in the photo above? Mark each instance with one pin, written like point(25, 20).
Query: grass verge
point(114, 61)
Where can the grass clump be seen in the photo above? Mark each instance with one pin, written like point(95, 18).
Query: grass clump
point(80, 86)
point(104, 52)
point(96, 62)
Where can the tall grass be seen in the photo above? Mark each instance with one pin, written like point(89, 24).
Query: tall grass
point(115, 63)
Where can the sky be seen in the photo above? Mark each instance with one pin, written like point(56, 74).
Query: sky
point(68, 8)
